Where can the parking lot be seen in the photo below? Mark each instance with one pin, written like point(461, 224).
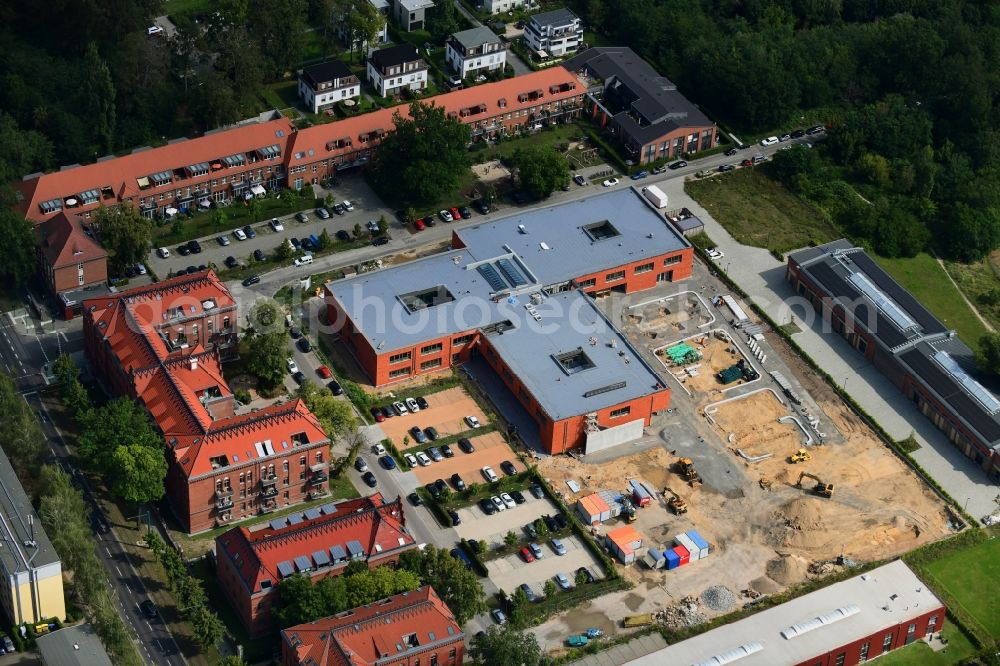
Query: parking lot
point(510, 571)
point(445, 412)
point(491, 450)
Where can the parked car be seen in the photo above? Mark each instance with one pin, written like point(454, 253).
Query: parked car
point(148, 609)
point(343, 236)
point(489, 474)
point(422, 402)
point(322, 213)
point(658, 170)
point(518, 497)
point(445, 215)
point(798, 134)
point(530, 530)
point(815, 129)
point(410, 459)
point(726, 167)
point(239, 234)
point(258, 255)
point(418, 435)
point(561, 522)
point(378, 449)
point(784, 137)
point(400, 408)
point(412, 404)
point(194, 246)
point(293, 367)
point(360, 464)
point(639, 175)
point(304, 345)
point(536, 550)
point(487, 506)
point(586, 573)
point(498, 616)
point(419, 225)
point(456, 213)
point(472, 421)
point(508, 468)
point(562, 581)
point(348, 206)
point(182, 250)
point(369, 479)
point(550, 523)
point(335, 387)
point(455, 518)
point(381, 240)
point(324, 372)
point(769, 141)
point(577, 640)
point(714, 253)
point(248, 230)
point(440, 485)
point(423, 459)
point(163, 252)
point(611, 182)
point(433, 490)
point(377, 414)
point(579, 180)
point(679, 164)
point(482, 206)
point(230, 262)
point(435, 454)
point(431, 432)
point(223, 240)
point(536, 491)
point(466, 445)
point(466, 213)
point(558, 546)
point(446, 450)
point(276, 224)
point(457, 482)
point(387, 462)
point(526, 555)
point(528, 592)
point(732, 151)
point(507, 500)
point(299, 377)
point(252, 280)
point(498, 503)
point(428, 221)
point(414, 499)
point(339, 209)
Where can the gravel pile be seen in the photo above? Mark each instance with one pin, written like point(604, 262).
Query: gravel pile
point(718, 598)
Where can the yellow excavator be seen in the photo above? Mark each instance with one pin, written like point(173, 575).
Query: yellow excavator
point(676, 504)
point(821, 488)
point(685, 467)
point(800, 456)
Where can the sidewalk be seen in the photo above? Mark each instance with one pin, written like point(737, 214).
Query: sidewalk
point(763, 278)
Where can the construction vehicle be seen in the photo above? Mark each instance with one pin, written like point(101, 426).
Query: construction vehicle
point(822, 488)
point(675, 503)
point(765, 483)
point(800, 456)
point(685, 467)
point(628, 510)
point(641, 620)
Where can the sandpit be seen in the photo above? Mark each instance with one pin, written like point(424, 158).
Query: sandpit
point(751, 424)
point(489, 172)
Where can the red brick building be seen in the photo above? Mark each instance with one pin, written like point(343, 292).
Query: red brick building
point(162, 345)
point(71, 260)
point(409, 629)
point(320, 542)
point(844, 624)
point(504, 278)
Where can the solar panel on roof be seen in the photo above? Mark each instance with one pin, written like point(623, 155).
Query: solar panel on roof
point(337, 553)
point(312, 513)
point(286, 569)
point(989, 401)
point(510, 272)
point(302, 563)
point(491, 275)
point(328, 509)
point(355, 548)
point(295, 519)
point(321, 558)
point(278, 523)
point(884, 303)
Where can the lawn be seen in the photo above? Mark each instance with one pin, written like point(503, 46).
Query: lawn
point(920, 654)
point(980, 283)
point(550, 137)
point(928, 282)
point(237, 215)
point(759, 211)
point(282, 95)
point(966, 573)
point(187, 7)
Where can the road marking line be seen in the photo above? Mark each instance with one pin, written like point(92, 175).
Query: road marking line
point(119, 570)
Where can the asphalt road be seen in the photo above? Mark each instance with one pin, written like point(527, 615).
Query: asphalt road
point(156, 644)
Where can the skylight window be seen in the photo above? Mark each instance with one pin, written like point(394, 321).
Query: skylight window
point(574, 361)
point(426, 298)
point(601, 231)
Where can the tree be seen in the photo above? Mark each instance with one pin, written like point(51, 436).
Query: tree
point(208, 628)
point(232, 660)
point(139, 471)
point(119, 423)
point(442, 20)
point(20, 435)
point(457, 586)
point(219, 217)
point(266, 354)
point(283, 251)
point(125, 234)
point(363, 23)
point(330, 200)
point(988, 354)
point(357, 230)
point(336, 416)
point(549, 588)
point(298, 601)
point(581, 577)
point(540, 170)
point(325, 240)
point(99, 97)
point(279, 29)
point(510, 538)
point(505, 646)
point(424, 157)
point(20, 257)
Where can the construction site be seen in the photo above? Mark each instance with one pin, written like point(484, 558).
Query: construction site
point(778, 475)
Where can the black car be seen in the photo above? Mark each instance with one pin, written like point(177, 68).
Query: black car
point(815, 129)
point(586, 572)
point(248, 230)
point(455, 520)
point(295, 332)
point(550, 523)
point(191, 269)
point(183, 250)
point(422, 403)
point(441, 485)
point(433, 490)
point(457, 481)
point(798, 134)
point(466, 213)
point(536, 491)
point(339, 209)
point(343, 236)
point(194, 246)
point(296, 243)
point(726, 167)
point(579, 180)
point(732, 151)
point(487, 506)
point(414, 499)
point(447, 452)
point(304, 345)
point(258, 255)
point(381, 240)
point(432, 433)
point(680, 164)
point(517, 496)
point(335, 387)
point(508, 468)
point(202, 267)
point(369, 479)
point(307, 244)
point(253, 279)
point(299, 377)
point(466, 445)
point(131, 271)
point(561, 522)
point(429, 221)
point(231, 262)
point(148, 609)
point(481, 206)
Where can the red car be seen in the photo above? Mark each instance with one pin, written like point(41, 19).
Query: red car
point(746, 163)
point(527, 556)
point(455, 213)
point(323, 372)
point(377, 413)
point(419, 225)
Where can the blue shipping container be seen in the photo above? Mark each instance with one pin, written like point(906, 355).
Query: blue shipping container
point(699, 541)
point(673, 559)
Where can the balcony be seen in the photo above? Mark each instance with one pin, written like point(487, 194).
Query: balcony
point(268, 507)
point(225, 517)
point(225, 491)
point(319, 466)
point(268, 491)
point(317, 479)
point(317, 493)
point(268, 479)
point(224, 503)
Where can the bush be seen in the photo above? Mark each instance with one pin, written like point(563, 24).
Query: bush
point(242, 395)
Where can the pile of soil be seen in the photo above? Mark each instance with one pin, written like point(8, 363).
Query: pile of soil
point(787, 569)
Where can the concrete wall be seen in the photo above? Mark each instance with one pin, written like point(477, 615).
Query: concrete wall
point(613, 436)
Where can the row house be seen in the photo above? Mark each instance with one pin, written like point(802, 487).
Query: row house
point(322, 86)
point(319, 542)
point(556, 33)
point(470, 51)
point(397, 68)
point(163, 345)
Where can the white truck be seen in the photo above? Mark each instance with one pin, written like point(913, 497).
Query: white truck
point(655, 195)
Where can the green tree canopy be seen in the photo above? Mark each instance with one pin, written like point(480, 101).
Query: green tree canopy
point(20, 257)
point(139, 471)
point(442, 20)
point(505, 646)
point(540, 170)
point(457, 586)
point(336, 416)
point(119, 423)
point(124, 233)
point(424, 158)
point(988, 354)
point(20, 434)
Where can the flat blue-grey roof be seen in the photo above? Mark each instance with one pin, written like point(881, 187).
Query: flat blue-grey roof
point(572, 360)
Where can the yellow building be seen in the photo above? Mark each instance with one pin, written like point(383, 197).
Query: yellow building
point(31, 587)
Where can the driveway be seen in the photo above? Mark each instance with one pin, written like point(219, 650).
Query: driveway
point(446, 412)
point(763, 278)
point(477, 525)
point(491, 450)
point(510, 571)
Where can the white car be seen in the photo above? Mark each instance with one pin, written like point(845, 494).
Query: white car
point(399, 408)
point(163, 252)
point(303, 260)
point(489, 474)
point(276, 224)
point(611, 182)
point(498, 503)
point(472, 421)
point(141, 268)
point(378, 449)
point(293, 367)
point(410, 459)
point(507, 500)
point(769, 141)
point(446, 215)
point(412, 404)
point(348, 206)
point(423, 459)
point(240, 234)
point(714, 253)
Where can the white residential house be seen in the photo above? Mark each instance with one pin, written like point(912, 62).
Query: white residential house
point(498, 6)
point(554, 33)
point(322, 86)
point(382, 7)
point(471, 50)
point(394, 69)
point(410, 14)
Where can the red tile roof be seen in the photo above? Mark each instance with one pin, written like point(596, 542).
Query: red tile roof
point(379, 527)
point(64, 242)
point(120, 174)
point(395, 627)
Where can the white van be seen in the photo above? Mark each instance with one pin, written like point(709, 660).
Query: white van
point(304, 260)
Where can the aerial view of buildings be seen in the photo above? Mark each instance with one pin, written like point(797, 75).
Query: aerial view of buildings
point(498, 332)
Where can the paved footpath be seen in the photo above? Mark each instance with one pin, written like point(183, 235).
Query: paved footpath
point(763, 278)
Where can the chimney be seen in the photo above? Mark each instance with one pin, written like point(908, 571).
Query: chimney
point(194, 363)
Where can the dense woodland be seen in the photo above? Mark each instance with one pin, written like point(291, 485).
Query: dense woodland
point(909, 88)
